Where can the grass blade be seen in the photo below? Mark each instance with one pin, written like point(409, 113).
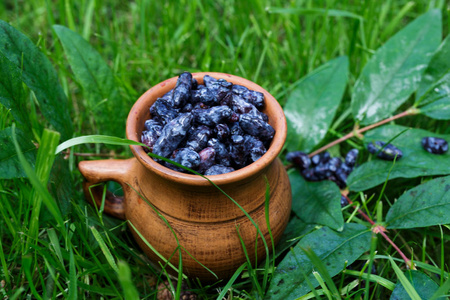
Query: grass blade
point(129, 290)
point(404, 281)
point(96, 139)
point(105, 249)
point(72, 277)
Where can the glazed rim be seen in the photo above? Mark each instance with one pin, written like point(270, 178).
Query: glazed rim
point(140, 112)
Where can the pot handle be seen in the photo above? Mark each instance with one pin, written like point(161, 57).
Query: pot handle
point(98, 171)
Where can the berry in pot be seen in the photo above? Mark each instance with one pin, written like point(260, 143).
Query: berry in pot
point(435, 145)
point(186, 157)
point(172, 135)
point(383, 151)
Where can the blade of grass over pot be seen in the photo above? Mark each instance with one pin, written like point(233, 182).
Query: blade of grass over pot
point(425, 205)
point(38, 186)
point(311, 106)
point(10, 166)
point(44, 163)
point(96, 139)
point(341, 248)
point(316, 202)
point(39, 75)
point(391, 76)
point(97, 80)
point(415, 161)
point(433, 94)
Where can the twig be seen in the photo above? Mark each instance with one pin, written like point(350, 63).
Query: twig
point(379, 229)
point(408, 112)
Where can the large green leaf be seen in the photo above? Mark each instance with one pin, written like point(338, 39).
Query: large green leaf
point(294, 230)
point(414, 163)
point(10, 166)
point(334, 249)
point(39, 75)
point(316, 202)
point(11, 90)
point(311, 107)
point(97, 81)
point(433, 94)
point(425, 205)
point(424, 286)
point(394, 71)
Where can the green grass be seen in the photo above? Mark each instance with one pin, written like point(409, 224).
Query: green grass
point(54, 245)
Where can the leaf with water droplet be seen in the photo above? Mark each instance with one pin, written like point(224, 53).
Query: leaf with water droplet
point(311, 107)
point(425, 205)
point(394, 71)
point(316, 202)
point(334, 249)
point(415, 162)
point(433, 94)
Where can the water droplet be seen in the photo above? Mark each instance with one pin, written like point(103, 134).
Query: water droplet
point(436, 90)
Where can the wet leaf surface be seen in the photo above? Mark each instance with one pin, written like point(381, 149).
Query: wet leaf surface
point(10, 166)
point(423, 285)
point(39, 75)
point(433, 94)
point(415, 162)
point(316, 202)
point(311, 107)
point(335, 250)
point(394, 71)
point(425, 205)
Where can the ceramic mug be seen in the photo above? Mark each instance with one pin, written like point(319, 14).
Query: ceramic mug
point(202, 219)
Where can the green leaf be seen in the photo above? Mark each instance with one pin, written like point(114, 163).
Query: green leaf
point(109, 257)
point(394, 71)
point(294, 230)
point(423, 285)
point(10, 166)
point(425, 205)
point(11, 91)
point(311, 107)
point(97, 81)
point(433, 94)
point(414, 163)
point(39, 75)
point(316, 202)
point(334, 249)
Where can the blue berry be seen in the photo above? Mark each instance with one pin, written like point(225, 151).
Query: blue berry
point(182, 90)
point(254, 147)
point(222, 132)
point(383, 151)
point(198, 137)
point(256, 127)
point(435, 145)
point(207, 159)
point(151, 135)
point(162, 111)
point(344, 201)
point(186, 157)
point(218, 169)
point(321, 157)
point(222, 154)
point(203, 95)
point(212, 116)
point(172, 135)
point(351, 157)
point(300, 159)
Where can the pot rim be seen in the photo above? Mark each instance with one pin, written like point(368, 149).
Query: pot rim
point(272, 108)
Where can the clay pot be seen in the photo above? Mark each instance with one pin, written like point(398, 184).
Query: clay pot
point(205, 221)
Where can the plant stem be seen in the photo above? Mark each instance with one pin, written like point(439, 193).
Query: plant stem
point(382, 230)
point(408, 112)
point(113, 155)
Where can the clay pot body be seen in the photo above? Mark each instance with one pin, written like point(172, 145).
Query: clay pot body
point(171, 209)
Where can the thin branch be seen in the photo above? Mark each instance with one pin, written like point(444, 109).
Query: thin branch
point(409, 112)
point(379, 229)
point(112, 155)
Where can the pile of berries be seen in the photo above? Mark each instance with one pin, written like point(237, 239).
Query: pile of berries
point(324, 167)
point(213, 128)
